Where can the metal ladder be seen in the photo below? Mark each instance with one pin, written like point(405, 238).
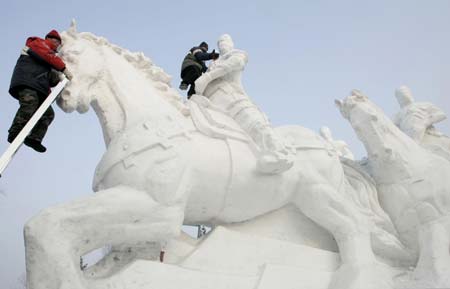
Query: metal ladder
point(18, 141)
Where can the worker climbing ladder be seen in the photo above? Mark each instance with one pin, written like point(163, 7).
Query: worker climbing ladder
point(18, 141)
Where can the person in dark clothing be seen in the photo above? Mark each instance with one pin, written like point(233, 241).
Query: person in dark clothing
point(36, 71)
point(194, 65)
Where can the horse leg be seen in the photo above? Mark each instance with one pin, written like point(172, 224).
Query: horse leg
point(121, 255)
point(57, 237)
point(433, 266)
point(327, 207)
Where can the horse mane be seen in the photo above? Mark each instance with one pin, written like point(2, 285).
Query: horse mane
point(145, 65)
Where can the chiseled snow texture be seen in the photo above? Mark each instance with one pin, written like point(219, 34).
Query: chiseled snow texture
point(413, 181)
point(168, 162)
point(417, 119)
point(229, 259)
point(232, 252)
point(285, 277)
point(290, 225)
point(152, 275)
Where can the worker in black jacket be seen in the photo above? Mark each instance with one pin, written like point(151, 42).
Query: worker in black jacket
point(36, 71)
point(194, 65)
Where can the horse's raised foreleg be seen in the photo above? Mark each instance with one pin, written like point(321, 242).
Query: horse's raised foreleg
point(327, 207)
point(57, 237)
point(121, 255)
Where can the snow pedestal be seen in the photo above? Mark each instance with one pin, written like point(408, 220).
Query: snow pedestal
point(226, 251)
point(152, 275)
point(232, 260)
point(285, 277)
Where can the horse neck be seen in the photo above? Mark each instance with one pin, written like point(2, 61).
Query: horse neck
point(126, 99)
point(110, 113)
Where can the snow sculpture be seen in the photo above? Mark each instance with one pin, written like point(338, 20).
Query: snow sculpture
point(222, 85)
point(416, 119)
point(340, 146)
point(162, 169)
point(414, 188)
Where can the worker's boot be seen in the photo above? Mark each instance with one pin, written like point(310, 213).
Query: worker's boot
point(35, 144)
point(12, 136)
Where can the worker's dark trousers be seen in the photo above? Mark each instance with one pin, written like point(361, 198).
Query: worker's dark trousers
point(30, 101)
point(189, 75)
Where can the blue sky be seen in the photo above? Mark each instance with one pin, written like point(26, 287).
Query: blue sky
point(302, 55)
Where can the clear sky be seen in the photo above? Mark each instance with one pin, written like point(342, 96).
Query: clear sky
point(302, 55)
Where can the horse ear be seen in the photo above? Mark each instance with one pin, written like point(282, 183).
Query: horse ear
point(359, 95)
point(341, 107)
point(72, 31)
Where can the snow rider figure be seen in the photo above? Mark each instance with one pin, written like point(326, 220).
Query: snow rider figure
point(194, 65)
point(222, 85)
point(36, 71)
point(416, 119)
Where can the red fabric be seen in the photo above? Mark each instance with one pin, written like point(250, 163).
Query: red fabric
point(47, 51)
point(53, 34)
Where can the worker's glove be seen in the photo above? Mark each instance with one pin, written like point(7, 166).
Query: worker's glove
point(54, 77)
point(202, 82)
point(214, 55)
point(25, 50)
point(67, 74)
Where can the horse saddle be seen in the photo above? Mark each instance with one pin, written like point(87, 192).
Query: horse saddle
point(213, 121)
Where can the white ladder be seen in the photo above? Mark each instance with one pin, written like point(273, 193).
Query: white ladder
point(18, 141)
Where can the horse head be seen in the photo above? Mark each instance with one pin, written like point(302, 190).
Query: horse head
point(85, 62)
point(371, 125)
point(125, 88)
point(358, 109)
